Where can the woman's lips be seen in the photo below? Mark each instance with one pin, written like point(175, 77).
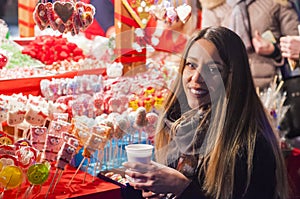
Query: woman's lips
point(198, 91)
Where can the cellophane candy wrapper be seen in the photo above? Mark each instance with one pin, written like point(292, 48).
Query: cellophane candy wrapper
point(88, 84)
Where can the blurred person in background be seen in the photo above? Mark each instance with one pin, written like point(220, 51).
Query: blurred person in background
point(260, 24)
point(2, 8)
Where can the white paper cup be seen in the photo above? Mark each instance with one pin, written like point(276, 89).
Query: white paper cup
point(139, 153)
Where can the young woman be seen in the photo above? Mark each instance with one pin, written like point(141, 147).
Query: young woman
point(214, 136)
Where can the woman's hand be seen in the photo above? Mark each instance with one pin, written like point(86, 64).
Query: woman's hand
point(261, 45)
point(156, 178)
point(152, 195)
point(290, 47)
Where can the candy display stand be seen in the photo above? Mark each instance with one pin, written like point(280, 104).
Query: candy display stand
point(31, 85)
point(97, 188)
point(126, 21)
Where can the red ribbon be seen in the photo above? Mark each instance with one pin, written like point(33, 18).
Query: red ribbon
point(127, 20)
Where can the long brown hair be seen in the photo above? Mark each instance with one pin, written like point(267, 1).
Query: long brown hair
point(238, 119)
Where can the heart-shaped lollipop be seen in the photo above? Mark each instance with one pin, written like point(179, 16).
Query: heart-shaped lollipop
point(63, 10)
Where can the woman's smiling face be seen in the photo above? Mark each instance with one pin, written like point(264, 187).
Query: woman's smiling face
point(202, 73)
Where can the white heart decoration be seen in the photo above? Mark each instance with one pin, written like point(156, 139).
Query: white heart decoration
point(184, 12)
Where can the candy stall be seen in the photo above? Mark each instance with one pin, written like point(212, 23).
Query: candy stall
point(70, 105)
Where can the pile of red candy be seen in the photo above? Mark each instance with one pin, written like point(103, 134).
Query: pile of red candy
point(50, 49)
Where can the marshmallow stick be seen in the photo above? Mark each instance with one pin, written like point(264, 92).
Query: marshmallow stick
point(98, 163)
point(81, 163)
point(115, 153)
point(110, 153)
point(121, 152)
point(52, 181)
point(100, 158)
point(140, 136)
point(58, 179)
point(94, 171)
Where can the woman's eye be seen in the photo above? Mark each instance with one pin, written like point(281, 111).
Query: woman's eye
point(213, 70)
point(191, 65)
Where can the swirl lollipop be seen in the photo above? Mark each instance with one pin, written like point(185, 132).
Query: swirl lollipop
point(10, 177)
point(37, 174)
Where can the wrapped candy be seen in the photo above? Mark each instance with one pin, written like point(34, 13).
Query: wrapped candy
point(38, 137)
point(35, 117)
point(52, 147)
point(171, 15)
point(166, 12)
point(59, 126)
point(26, 156)
point(158, 103)
point(15, 117)
point(151, 126)
point(64, 157)
point(148, 104)
point(133, 103)
point(60, 116)
point(93, 143)
point(114, 104)
point(141, 120)
point(3, 114)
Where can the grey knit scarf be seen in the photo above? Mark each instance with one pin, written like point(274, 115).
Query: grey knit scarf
point(187, 142)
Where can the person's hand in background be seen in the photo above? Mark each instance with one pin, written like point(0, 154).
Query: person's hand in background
point(261, 45)
point(290, 47)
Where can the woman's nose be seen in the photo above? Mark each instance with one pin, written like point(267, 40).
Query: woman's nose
point(197, 77)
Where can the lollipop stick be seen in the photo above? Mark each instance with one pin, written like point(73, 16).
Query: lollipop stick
point(51, 183)
point(86, 170)
point(76, 171)
point(58, 179)
point(19, 189)
point(37, 194)
point(2, 194)
point(28, 191)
